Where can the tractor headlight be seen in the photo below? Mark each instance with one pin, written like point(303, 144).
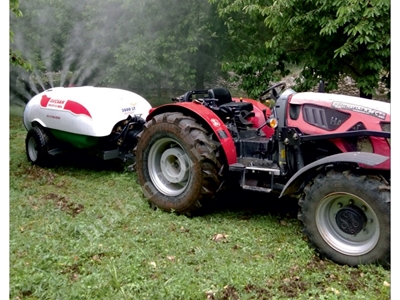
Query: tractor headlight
point(272, 122)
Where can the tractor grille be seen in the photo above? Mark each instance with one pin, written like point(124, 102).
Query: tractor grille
point(315, 116)
point(324, 117)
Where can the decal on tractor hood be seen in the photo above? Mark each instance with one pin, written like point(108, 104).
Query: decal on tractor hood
point(69, 105)
point(358, 108)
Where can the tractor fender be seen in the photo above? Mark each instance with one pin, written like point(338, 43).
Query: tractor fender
point(208, 117)
point(361, 158)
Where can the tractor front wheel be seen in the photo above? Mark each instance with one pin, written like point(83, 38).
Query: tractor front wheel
point(346, 217)
point(177, 163)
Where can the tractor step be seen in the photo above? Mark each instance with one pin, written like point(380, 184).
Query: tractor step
point(246, 167)
point(107, 154)
point(56, 151)
point(255, 164)
point(256, 188)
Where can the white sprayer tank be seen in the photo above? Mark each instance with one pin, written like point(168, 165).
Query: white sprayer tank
point(87, 110)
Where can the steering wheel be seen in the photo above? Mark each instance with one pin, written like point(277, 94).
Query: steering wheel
point(273, 93)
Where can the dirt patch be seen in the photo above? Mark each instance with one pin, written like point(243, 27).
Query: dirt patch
point(63, 203)
point(73, 271)
point(229, 293)
point(292, 286)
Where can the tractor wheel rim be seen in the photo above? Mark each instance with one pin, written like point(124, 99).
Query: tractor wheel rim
point(32, 149)
point(168, 166)
point(347, 223)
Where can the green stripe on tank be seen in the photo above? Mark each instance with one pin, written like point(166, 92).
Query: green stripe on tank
point(76, 140)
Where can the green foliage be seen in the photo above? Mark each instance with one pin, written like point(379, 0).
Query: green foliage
point(165, 45)
point(134, 45)
point(253, 65)
point(175, 45)
point(16, 58)
point(82, 230)
point(48, 35)
point(327, 39)
point(14, 7)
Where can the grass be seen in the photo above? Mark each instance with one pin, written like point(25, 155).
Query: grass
point(82, 230)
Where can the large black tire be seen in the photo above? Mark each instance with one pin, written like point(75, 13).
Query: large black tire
point(37, 147)
point(177, 163)
point(346, 216)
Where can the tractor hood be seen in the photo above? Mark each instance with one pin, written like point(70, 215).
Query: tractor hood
point(87, 110)
point(375, 108)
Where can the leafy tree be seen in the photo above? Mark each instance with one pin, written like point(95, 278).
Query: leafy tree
point(16, 59)
point(253, 65)
point(45, 35)
point(15, 56)
point(167, 43)
point(129, 44)
point(40, 36)
point(328, 39)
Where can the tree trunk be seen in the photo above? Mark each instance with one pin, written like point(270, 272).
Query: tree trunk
point(201, 66)
point(159, 87)
point(13, 81)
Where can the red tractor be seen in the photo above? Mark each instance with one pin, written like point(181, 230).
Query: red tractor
point(330, 151)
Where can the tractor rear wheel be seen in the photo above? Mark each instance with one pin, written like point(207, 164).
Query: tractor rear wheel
point(177, 163)
point(346, 216)
point(37, 146)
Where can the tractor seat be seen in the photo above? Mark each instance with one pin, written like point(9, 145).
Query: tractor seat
point(241, 112)
point(225, 100)
point(222, 95)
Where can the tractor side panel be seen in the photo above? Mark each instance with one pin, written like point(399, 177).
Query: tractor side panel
point(207, 116)
point(317, 113)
